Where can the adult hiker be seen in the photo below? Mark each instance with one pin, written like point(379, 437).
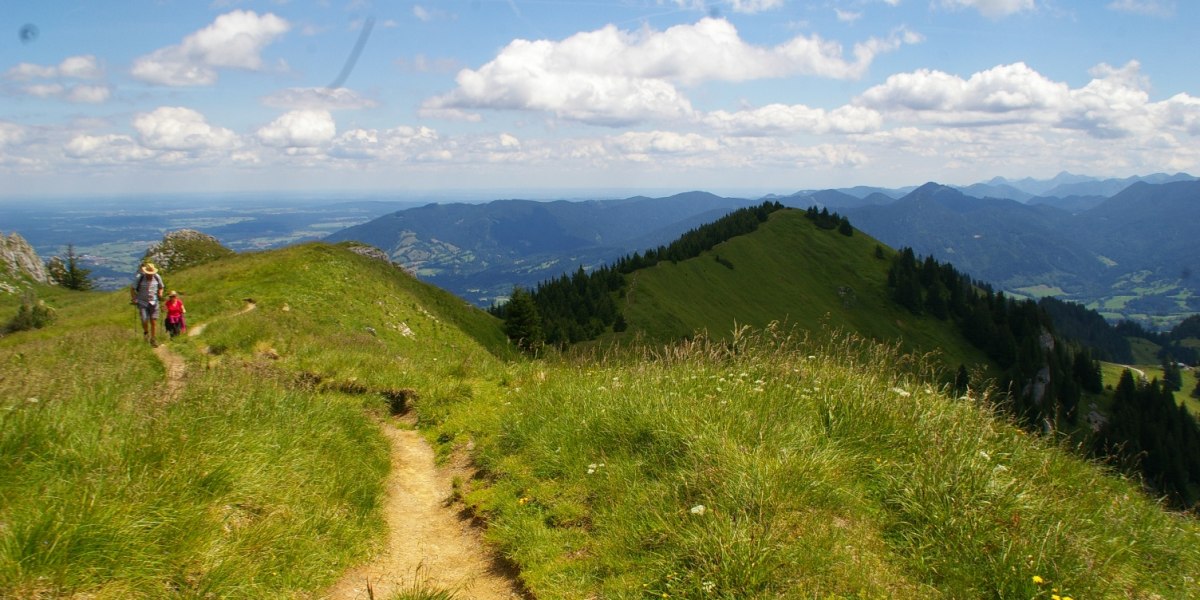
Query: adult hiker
point(174, 320)
point(146, 292)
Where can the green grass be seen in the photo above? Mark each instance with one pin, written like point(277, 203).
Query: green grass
point(790, 271)
point(264, 478)
point(762, 464)
point(767, 466)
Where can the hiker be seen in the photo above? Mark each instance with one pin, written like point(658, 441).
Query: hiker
point(146, 291)
point(174, 320)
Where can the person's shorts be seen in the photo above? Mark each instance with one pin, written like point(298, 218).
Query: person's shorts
point(148, 312)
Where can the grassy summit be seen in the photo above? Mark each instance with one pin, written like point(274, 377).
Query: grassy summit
point(773, 464)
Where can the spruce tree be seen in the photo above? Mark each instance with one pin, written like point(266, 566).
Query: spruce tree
point(522, 323)
point(69, 274)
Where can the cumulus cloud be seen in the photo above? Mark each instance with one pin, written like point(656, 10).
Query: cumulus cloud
point(318, 99)
point(89, 94)
point(234, 40)
point(614, 77)
point(307, 128)
point(1115, 103)
point(106, 149)
point(990, 8)
point(776, 119)
point(180, 129)
point(75, 67)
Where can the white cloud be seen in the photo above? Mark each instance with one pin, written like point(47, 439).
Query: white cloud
point(89, 94)
point(1001, 89)
point(81, 67)
point(1114, 104)
point(776, 119)
point(421, 13)
point(106, 149)
point(1153, 8)
point(299, 129)
point(614, 77)
point(43, 90)
point(449, 114)
point(990, 8)
point(318, 98)
point(84, 66)
point(847, 16)
point(754, 6)
point(10, 133)
point(663, 142)
point(234, 40)
point(176, 128)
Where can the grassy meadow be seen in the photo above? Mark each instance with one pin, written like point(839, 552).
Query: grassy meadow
point(773, 462)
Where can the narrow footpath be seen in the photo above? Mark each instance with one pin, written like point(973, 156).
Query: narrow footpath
point(429, 546)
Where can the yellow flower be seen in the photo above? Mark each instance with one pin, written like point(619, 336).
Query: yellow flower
point(1055, 597)
point(1038, 579)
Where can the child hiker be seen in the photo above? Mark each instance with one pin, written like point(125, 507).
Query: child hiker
point(174, 322)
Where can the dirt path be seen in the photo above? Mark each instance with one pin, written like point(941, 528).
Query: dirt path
point(176, 368)
point(428, 544)
point(195, 330)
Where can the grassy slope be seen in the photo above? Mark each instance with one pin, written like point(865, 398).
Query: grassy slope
point(258, 481)
point(825, 468)
point(789, 271)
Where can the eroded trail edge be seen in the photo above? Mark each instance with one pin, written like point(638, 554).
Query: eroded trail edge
point(429, 545)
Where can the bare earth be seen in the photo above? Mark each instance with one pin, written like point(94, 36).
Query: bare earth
point(428, 544)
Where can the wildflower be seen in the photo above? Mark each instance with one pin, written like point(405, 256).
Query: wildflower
point(698, 510)
point(903, 393)
point(1055, 597)
point(1037, 579)
point(523, 501)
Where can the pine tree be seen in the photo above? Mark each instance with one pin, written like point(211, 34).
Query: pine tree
point(69, 274)
point(522, 323)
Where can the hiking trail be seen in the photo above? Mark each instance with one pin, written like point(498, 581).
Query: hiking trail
point(429, 545)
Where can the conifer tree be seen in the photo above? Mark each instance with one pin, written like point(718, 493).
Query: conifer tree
point(69, 274)
point(521, 321)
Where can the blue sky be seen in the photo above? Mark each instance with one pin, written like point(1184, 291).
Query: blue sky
point(535, 98)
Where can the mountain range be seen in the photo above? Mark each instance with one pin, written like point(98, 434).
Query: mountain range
point(1130, 255)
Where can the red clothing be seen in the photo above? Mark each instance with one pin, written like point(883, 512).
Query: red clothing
point(174, 309)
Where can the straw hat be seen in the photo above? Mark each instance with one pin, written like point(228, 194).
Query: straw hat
point(148, 269)
point(173, 293)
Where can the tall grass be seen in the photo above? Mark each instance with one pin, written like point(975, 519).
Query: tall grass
point(773, 466)
point(240, 488)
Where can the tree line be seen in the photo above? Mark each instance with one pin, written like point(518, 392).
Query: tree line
point(583, 305)
point(1044, 375)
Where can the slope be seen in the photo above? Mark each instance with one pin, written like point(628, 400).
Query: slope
point(791, 271)
point(261, 474)
point(479, 251)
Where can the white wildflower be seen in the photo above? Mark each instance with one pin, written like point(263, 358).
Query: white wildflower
point(698, 510)
point(903, 393)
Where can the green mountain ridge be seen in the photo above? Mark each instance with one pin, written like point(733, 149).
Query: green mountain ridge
point(764, 466)
point(790, 271)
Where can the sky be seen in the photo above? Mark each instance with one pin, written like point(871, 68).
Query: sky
point(527, 98)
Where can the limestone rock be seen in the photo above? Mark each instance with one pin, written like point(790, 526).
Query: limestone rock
point(20, 258)
point(185, 248)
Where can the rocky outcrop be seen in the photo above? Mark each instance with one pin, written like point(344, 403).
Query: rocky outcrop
point(20, 258)
point(185, 248)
